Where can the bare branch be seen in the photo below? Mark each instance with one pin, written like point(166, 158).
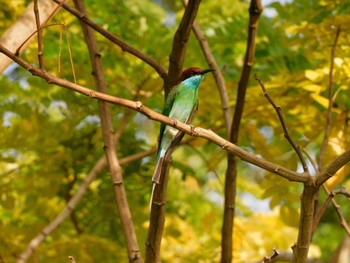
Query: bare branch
point(124, 46)
point(330, 102)
point(255, 9)
point(283, 123)
point(334, 167)
point(73, 202)
point(40, 41)
point(107, 131)
point(322, 209)
point(219, 78)
point(176, 59)
point(180, 41)
point(188, 129)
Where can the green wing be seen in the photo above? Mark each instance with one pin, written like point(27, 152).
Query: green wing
point(166, 111)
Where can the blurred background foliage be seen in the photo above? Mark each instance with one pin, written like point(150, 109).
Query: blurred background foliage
point(50, 137)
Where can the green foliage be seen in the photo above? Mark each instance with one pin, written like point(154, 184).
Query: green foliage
point(51, 137)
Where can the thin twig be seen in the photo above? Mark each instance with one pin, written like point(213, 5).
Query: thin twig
point(40, 40)
point(321, 211)
point(330, 102)
point(219, 77)
point(283, 123)
point(124, 46)
point(70, 53)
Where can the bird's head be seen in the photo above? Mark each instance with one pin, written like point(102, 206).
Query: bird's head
point(190, 72)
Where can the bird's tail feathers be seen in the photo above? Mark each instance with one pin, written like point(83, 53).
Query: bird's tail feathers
point(151, 200)
point(156, 178)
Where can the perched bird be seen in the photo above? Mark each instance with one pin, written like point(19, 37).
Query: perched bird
point(181, 104)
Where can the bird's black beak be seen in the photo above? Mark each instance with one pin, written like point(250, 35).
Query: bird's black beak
point(205, 71)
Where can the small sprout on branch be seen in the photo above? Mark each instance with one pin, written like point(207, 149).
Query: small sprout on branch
point(266, 259)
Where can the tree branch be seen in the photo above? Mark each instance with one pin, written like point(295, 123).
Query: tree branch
point(255, 9)
point(124, 46)
point(40, 41)
point(73, 202)
point(219, 78)
point(188, 129)
point(109, 144)
point(283, 123)
point(334, 167)
point(180, 42)
point(330, 197)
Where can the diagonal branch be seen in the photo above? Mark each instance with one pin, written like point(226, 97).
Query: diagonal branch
point(124, 46)
point(330, 197)
point(330, 103)
point(73, 202)
point(109, 144)
point(283, 123)
point(219, 78)
point(334, 167)
point(188, 129)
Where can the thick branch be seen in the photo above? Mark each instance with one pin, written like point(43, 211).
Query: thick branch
point(255, 10)
point(334, 167)
point(180, 41)
point(176, 60)
point(188, 129)
point(107, 131)
point(124, 46)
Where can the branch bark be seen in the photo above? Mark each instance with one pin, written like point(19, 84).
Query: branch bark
point(219, 78)
point(188, 129)
point(255, 10)
point(109, 144)
point(180, 42)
